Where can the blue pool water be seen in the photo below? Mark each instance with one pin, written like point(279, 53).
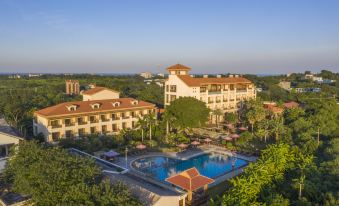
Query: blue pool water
point(211, 165)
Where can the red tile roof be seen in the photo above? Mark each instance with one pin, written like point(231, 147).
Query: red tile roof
point(192, 82)
point(190, 179)
point(96, 90)
point(85, 107)
point(274, 109)
point(291, 104)
point(178, 67)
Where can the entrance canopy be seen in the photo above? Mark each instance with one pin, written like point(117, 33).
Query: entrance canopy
point(190, 180)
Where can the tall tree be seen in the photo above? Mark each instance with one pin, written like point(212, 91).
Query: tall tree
point(187, 112)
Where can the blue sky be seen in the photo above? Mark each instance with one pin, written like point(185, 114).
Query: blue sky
point(112, 36)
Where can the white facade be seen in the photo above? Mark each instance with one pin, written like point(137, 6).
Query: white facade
point(225, 94)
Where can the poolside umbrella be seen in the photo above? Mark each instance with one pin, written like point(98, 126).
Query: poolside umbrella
point(229, 126)
point(141, 146)
point(207, 140)
point(242, 129)
point(111, 154)
point(227, 138)
point(234, 136)
point(195, 143)
point(182, 145)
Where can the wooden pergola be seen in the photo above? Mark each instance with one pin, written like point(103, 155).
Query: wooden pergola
point(190, 180)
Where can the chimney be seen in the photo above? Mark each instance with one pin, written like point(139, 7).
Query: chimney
point(205, 75)
point(219, 76)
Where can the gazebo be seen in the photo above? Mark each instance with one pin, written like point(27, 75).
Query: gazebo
point(110, 154)
point(190, 180)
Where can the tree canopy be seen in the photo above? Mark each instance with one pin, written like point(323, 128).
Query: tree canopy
point(51, 176)
point(188, 112)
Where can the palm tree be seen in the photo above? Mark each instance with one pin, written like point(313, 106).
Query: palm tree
point(217, 113)
point(151, 120)
point(168, 119)
point(142, 124)
point(277, 127)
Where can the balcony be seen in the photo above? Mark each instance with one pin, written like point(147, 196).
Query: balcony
point(82, 123)
point(214, 92)
point(217, 101)
point(69, 124)
point(126, 117)
point(242, 91)
point(56, 126)
point(94, 121)
point(104, 120)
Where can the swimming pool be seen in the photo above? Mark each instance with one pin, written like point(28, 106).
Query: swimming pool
point(211, 165)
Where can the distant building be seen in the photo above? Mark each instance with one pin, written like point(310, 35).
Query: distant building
point(146, 75)
point(72, 87)
point(285, 85)
point(82, 118)
point(159, 82)
point(302, 90)
point(99, 93)
point(14, 76)
point(161, 75)
point(34, 75)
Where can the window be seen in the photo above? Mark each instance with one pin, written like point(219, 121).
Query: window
point(133, 124)
point(210, 100)
point(114, 127)
point(68, 133)
point(167, 88)
point(173, 97)
point(81, 132)
point(104, 129)
point(114, 116)
point(92, 119)
point(68, 122)
point(55, 136)
point(124, 125)
point(116, 104)
point(133, 114)
point(103, 118)
point(232, 87)
point(173, 88)
point(93, 130)
point(202, 89)
point(167, 98)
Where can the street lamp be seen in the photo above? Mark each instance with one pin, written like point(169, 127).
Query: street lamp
point(126, 150)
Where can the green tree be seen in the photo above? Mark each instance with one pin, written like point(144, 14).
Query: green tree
point(187, 112)
point(217, 113)
point(51, 176)
point(231, 118)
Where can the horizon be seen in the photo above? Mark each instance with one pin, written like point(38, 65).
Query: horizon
point(129, 37)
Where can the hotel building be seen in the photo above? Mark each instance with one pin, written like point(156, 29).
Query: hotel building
point(224, 93)
point(98, 116)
